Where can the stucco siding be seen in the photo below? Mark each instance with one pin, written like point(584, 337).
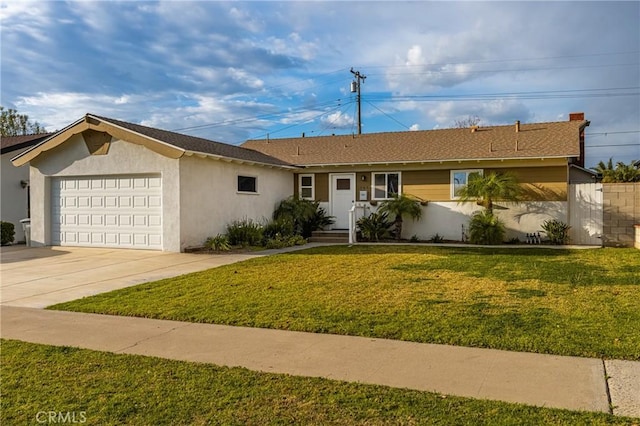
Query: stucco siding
point(123, 158)
point(14, 196)
point(448, 218)
point(210, 201)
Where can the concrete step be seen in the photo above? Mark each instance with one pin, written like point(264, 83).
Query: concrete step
point(329, 237)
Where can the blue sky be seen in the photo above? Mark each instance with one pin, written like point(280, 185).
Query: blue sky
point(232, 71)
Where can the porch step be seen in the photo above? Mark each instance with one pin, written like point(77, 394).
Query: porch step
point(329, 237)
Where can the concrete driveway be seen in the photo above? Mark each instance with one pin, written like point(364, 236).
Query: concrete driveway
point(39, 277)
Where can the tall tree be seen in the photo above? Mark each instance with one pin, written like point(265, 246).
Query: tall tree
point(620, 173)
point(14, 124)
point(472, 120)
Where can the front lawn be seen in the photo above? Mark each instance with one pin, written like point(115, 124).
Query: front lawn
point(566, 302)
point(98, 388)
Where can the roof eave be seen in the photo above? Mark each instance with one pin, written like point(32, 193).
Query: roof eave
point(453, 160)
point(239, 161)
point(95, 123)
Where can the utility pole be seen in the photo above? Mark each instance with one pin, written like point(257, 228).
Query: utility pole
point(355, 88)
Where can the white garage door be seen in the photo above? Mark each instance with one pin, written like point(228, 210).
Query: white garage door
point(107, 211)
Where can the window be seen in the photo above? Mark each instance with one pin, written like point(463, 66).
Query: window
point(305, 185)
point(460, 178)
point(385, 185)
point(247, 184)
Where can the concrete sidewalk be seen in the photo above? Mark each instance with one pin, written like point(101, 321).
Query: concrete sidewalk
point(534, 379)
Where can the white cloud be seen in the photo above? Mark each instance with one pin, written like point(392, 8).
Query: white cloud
point(245, 78)
point(176, 64)
point(338, 120)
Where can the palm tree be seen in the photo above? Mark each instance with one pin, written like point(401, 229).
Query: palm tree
point(398, 206)
point(620, 173)
point(486, 189)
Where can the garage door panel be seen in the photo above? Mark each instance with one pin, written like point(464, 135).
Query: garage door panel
point(111, 201)
point(107, 211)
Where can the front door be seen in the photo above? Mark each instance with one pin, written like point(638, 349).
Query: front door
point(343, 195)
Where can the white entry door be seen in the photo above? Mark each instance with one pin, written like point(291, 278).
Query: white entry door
point(107, 211)
point(343, 195)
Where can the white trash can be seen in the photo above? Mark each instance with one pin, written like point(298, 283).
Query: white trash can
point(26, 227)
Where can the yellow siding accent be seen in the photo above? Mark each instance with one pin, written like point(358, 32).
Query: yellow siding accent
point(363, 185)
point(322, 187)
point(539, 183)
point(428, 185)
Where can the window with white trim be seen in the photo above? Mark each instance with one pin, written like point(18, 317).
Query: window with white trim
point(306, 187)
point(460, 179)
point(248, 184)
point(385, 185)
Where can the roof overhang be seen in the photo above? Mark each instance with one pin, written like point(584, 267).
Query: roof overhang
point(90, 122)
point(439, 161)
point(238, 161)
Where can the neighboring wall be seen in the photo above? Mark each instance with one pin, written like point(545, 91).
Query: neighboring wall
point(621, 213)
point(14, 196)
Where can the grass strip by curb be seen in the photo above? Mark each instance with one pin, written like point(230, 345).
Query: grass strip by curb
point(111, 389)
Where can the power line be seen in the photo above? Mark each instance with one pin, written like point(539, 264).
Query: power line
point(607, 146)
point(295, 125)
point(259, 117)
point(392, 118)
point(612, 133)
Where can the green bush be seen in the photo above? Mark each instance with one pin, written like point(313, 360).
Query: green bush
point(218, 243)
point(375, 226)
point(557, 231)
point(280, 241)
point(485, 228)
point(437, 238)
point(7, 233)
point(282, 227)
point(244, 233)
point(307, 216)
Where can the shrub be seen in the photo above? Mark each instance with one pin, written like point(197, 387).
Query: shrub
point(307, 216)
point(485, 228)
point(244, 233)
point(375, 226)
point(282, 226)
point(7, 233)
point(218, 243)
point(280, 241)
point(437, 238)
point(557, 231)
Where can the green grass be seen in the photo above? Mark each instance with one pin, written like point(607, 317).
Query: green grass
point(566, 302)
point(109, 389)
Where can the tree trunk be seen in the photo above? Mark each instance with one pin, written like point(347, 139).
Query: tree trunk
point(398, 227)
